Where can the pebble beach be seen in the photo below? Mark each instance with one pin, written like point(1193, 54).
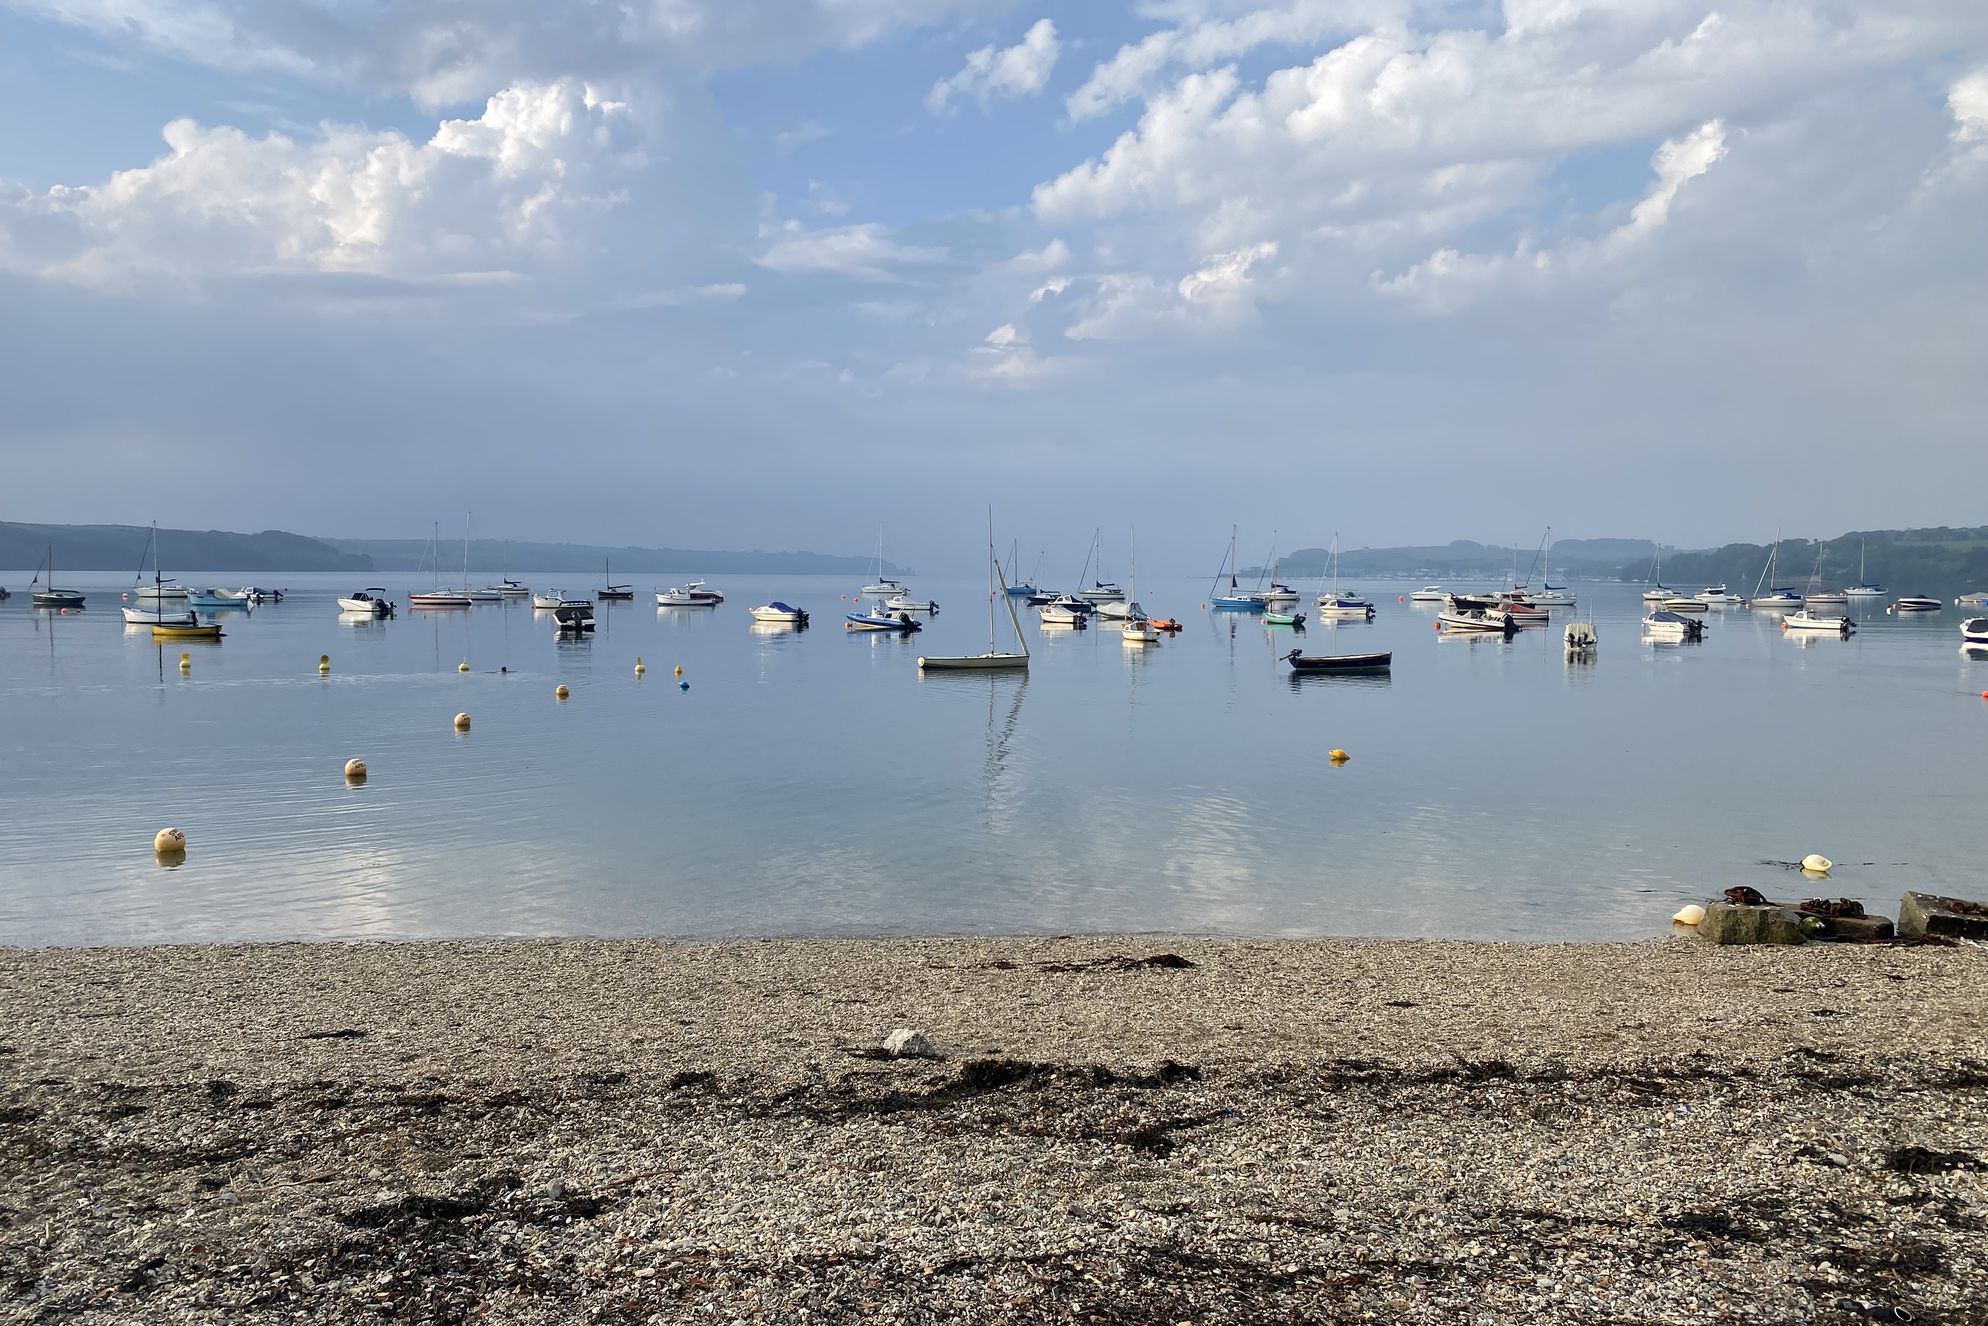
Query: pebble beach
point(1114, 1129)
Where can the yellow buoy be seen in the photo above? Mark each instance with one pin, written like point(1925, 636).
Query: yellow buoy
point(463, 666)
point(561, 691)
point(1691, 915)
point(169, 842)
point(355, 769)
point(1337, 756)
point(324, 664)
point(462, 722)
point(186, 662)
point(1816, 863)
point(679, 669)
point(640, 666)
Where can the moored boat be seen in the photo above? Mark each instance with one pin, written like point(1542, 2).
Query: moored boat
point(611, 592)
point(1716, 595)
point(573, 617)
point(904, 603)
point(683, 596)
point(1916, 603)
point(1580, 638)
point(1284, 619)
point(1062, 614)
point(196, 630)
point(1662, 625)
point(1685, 604)
point(215, 598)
point(1429, 594)
point(994, 659)
point(439, 598)
point(1340, 663)
point(873, 621)
point(1976, 600)
point(372, 599)
point(1803, 619)
point(549, 600)
point(159, 614)
point(777, 611)
point(1974, 631)
point(1478, 620)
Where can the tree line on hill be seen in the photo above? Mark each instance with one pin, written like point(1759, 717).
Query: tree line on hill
point(1904, 561)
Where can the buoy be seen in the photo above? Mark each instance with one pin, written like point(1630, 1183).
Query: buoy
point(355, 770)
point(186, 662)
point(561, 691)
point(1337, 756)
point(324, 664)
point(1691, 915)
point(169, 842)
point(640, 666)
point(679, 669)
point(1984, 695)
point(683, 685)
point(1816, 863)
point(463, 666)
point(462, 722)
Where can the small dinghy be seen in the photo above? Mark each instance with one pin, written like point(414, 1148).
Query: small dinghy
point(159, 615)
point(1804, 620)
point(1580, 637)
point(1284, 619)
point(877, 621)
point(196, 630)
point(1339, 663)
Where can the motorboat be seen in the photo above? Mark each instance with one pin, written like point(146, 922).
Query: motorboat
point(1062, 614)
point(877, 621)
point(777, 611)
point(511, 589)
point(439, 598)
point(1339, 663)
point(1686, 604)
point(215, 598)
point(1429, 594)
point(1551, 596)
point(488, 594)
point(548, 600)
point(257, 594)
point(1716, 595)
point(1343, 606)
point(1974, 631)
point(1480, 620)
point(703, 595)
point(372, 599)
point(160, 614)
point(1663, 625)
point(1916, 603)
point(682, 596)
point(1805, 620)
point(1580, 637)
point(1977, 600)
point(904, 603)
point(1826, 598)
point(1296, 619)
point(1658, 593)
point(1280, 594)
point(573, 617)
point(1083, 607)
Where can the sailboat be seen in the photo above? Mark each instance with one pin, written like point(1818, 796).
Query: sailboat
point(883, 586)
point(993, 659)
point(1863, 589)
point(1138, 630)
point(1815, 595)
point(439, 597)
point(1337, 605)
point(1548, 595)
point(1778, 598)
point(49, 596)
point(1020, 588)
point(1101, 591)
point(1658, 590)
point(156, 613)
point(1237, 599)
point(612, 592)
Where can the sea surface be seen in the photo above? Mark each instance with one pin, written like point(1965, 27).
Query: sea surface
point(812, 782)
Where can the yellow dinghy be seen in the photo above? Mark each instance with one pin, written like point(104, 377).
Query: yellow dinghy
point(182, 631)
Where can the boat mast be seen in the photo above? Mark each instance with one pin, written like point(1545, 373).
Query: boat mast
point(1771, 555)
point(990, 580)
point(1216, 584)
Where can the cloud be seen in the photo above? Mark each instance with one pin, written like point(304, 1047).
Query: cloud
point(800, 135)
point(1217, 296)
point(1967, 101)
point(527, 183)
point(1018, 71)
point(1204, 43)
point(866, 251)
point(720, 292)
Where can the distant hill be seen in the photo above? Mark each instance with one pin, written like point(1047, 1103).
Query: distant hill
point(1465, 560)
point(1905, 561)
point(488, 558)
point(122, 547)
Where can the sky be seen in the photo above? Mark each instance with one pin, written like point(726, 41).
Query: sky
point(726, 274)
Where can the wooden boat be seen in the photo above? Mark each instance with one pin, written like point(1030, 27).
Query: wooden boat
point(1339, 663)
point(158, 614)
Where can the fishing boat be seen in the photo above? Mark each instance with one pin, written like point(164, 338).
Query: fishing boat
point(1916, 603)
point(372, 600)
point(1662, 625)
point(1465, 616)
point(1802, 619)
point(1237, 599)
point(1337, 605)
point(994, 659)
point(1339, 663)
point(781, 613)
point(573, 617)
point(1865, 588)
point(877, 621)
point(1974, 631)
point(1284, 619)
point(1580, 638)
point(883, 586)
point(1429, 594)
point(904, 603)
point(440, 597)
point(611, 592)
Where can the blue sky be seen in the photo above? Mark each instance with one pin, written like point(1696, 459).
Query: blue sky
point(756, 275)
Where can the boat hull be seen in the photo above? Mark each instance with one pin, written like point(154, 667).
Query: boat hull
point(975, 663)
point(1342, 664)
point(180, 631)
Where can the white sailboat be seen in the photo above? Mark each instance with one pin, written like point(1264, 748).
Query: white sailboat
point(1337, 605)
point(883, 586)
point(440, 597)
point(993, 659)
point(157, 611)
point(1776, 598)
point(1863, 589)
point(1138, 629)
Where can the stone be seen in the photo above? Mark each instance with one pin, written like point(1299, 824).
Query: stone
point(1854, 929)
point(1727, 923)
point(904, 1043)
point(1931, 914)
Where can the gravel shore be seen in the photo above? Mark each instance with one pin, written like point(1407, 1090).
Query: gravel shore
point(1340, 1130)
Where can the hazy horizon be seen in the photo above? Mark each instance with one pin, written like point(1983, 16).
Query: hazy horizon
point(753, 276)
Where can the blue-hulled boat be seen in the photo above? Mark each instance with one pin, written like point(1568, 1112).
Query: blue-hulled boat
point(877, 621)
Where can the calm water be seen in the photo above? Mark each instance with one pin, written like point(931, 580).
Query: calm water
point(813, 782)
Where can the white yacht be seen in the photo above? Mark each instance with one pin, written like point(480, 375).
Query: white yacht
point(1716, 595)
point(547, 601)
point(1429, 594)
point(1804, 620)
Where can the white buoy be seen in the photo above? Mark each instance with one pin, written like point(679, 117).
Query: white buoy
point(640, 666)
point(462, 722)
point(355, 769)
point(1816, 863)
point(561, 691)
point(463, 666)
point(1691, 915)
point(169, 842)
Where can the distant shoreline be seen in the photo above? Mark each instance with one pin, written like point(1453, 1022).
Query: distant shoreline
point(1122, 1129)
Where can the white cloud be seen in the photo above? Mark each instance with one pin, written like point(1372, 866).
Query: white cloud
point(721, 292)
point(1217, 296)
point(1018, 71)
point(525, 184)
point(1205, 42)
point(1967, 101)
point(1048, 258)
point(866, 251)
